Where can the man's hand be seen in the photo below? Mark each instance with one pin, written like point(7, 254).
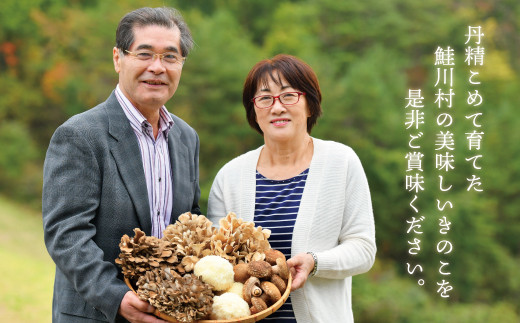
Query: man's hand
point(300, 266)
point(136, 311)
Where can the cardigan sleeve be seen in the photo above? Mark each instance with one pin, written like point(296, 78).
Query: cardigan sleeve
point(356, 249)
point(216, 204)
point(233, 189)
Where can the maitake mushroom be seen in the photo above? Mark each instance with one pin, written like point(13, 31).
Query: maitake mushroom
point(239, 241)
point(187, 298)
point(144, 253)
point(190, 235)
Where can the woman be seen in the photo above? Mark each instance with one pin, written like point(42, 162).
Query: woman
point(312, 194)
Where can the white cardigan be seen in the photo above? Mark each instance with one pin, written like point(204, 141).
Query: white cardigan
point(335, 221)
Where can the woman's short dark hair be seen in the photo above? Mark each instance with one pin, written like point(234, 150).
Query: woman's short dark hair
point(298, 74)
point(163, 16)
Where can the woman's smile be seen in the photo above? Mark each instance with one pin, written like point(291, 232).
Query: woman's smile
point(280, 122)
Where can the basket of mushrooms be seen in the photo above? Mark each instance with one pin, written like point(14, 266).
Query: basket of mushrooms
point(198, 273)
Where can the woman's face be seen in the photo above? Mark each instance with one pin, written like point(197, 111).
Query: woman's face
point(281, 122)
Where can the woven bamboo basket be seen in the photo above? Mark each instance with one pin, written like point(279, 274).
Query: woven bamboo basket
point(248, 319)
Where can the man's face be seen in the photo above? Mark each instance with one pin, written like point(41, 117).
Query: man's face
point(149, 84)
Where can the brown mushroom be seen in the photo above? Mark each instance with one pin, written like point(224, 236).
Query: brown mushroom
point(272, 254)
point(281, 268)
point(251, 289)
point(279, 283)
point(266, 299)
point(271, 290)
point(258, 305)
point(260, 269)
point(241, 274)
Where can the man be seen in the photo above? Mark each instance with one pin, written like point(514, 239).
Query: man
point(124, 164)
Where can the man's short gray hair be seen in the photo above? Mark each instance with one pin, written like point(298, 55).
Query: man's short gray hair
point(163, 16)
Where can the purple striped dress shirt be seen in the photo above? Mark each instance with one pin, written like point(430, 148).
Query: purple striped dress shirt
point(156, 162)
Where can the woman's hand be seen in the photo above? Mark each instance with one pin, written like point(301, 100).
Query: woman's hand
point(300, 266)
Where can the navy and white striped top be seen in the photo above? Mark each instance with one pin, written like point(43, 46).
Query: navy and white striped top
point(156, 162)
point(276, 206)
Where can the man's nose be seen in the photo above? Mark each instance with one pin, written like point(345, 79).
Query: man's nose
point(156, 66)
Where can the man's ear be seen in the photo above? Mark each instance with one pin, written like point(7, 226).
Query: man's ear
point(116, 55)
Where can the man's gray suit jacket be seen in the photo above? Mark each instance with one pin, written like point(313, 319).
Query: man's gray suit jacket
point(94, 192)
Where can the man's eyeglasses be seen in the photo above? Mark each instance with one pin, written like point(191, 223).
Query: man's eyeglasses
point(267, 101)
point(168, 59)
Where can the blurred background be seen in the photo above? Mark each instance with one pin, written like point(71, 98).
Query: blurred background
point(56, 61)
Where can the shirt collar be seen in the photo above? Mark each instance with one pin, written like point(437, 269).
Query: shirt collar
point(136, 118)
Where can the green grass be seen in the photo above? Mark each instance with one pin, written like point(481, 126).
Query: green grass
point(26, 270)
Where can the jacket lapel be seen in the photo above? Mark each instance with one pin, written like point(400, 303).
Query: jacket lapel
point(126, 153)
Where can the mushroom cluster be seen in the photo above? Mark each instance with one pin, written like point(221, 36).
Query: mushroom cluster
point(186, 298)
point(264, 281)
point(142, 253)
point(234, 259)
point(239, 241)
point(190, 236)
